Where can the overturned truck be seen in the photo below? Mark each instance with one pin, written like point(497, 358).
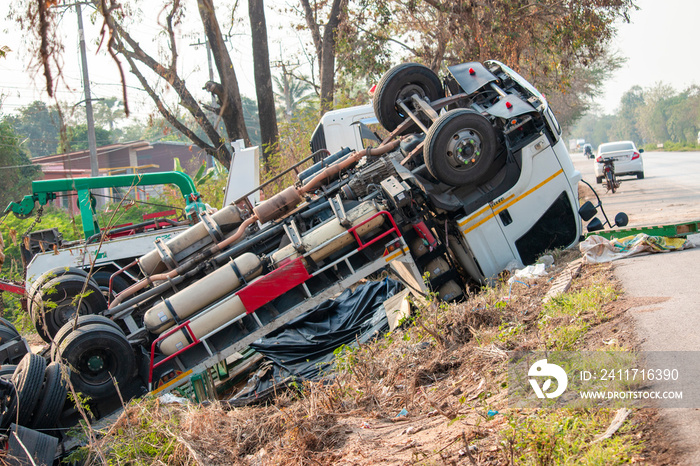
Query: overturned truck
point(473, 175)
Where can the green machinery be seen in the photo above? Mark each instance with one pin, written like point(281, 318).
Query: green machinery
point(44, 191)
point(671, 230)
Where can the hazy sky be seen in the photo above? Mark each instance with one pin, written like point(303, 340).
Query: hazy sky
point(659, 43)
point(660, 46)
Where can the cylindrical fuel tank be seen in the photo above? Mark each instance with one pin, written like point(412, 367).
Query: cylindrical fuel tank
point(437, 267)
point(226, 219)
point(203, 324)
point(202, 293)
point(450, 291)
point(278, 205)
point(418, 247)
point(331, 229)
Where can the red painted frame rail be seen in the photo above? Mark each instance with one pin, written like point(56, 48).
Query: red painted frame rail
point(394, 229)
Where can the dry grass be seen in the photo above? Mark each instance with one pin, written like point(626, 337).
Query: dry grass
point(446, 371)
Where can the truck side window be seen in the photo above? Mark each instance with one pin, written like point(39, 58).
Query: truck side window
point(553, 123)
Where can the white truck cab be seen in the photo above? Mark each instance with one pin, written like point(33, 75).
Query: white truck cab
point(350, 127)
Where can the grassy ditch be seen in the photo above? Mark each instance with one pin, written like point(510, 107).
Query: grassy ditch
point(433, 392)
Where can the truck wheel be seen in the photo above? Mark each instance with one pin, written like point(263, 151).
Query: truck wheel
point(29, 380)
point(398, 84)
point(82, 322)
point(7, 335)
point(460, 148)
point(48, 276)
point(640, 175)
point(57, 303)
point(4, 323)
point(7, 370)
point(96, 354)
point(53, 397)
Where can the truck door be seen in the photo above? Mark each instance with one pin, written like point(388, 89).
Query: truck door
point(537, 214)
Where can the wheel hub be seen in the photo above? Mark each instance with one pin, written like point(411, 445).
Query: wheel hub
point(95, 363)
point(408, 90)
point(465, 148)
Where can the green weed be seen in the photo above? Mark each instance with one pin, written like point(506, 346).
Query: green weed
point(566, 437)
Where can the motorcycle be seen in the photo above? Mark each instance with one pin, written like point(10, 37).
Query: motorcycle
point(609, 178)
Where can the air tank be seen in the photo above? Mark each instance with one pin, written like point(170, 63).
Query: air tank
point(201, 325)
point(437, 267)
point(232, 307)
point(450, 291)
point(418, 247)
point(176, 248)
point(203, 292)
point(332, 229)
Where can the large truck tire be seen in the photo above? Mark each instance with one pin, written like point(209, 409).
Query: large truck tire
point(6, 324)
point(73, 325)
point(398, 84)
point(29, 381)
point(56, 303)
point(53, 397)
point(460, 148)
point(98, 355)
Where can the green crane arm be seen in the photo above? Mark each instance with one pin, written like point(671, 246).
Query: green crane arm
point(45, 191)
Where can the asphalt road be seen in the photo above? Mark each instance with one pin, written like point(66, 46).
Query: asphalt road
point(669, 192)
point(665, 287)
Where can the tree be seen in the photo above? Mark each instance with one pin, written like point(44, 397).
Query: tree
point(157, 68)
point(107, 112)
point(77, 138)
point(651, 118)
point(625, 126)
point(16, 170)
point(291, 92)
point(40, 125)
point(325, 38)
point(263, 80)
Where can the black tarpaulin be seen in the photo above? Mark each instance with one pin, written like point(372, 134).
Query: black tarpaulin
point(303, 349)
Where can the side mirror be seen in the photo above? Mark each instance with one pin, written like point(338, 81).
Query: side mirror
point(595, 225)
point(621, 219)
point(587, 211)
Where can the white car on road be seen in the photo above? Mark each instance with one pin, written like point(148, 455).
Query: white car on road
point(627, 159)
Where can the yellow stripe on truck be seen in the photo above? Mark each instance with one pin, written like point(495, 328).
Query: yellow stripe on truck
point(396, 254)
point(172, 381)
point(504, 206)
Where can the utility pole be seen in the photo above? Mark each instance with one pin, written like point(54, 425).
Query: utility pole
point(210, 161)
point(211, 69)
point(92, 143)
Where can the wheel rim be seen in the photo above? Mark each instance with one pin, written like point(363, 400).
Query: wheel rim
point(405, 97)
point(465, 149)
point(96, 365)
point(65, 312)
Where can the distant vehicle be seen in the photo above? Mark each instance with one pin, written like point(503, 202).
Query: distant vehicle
point(588, 151)
point(627, 159)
